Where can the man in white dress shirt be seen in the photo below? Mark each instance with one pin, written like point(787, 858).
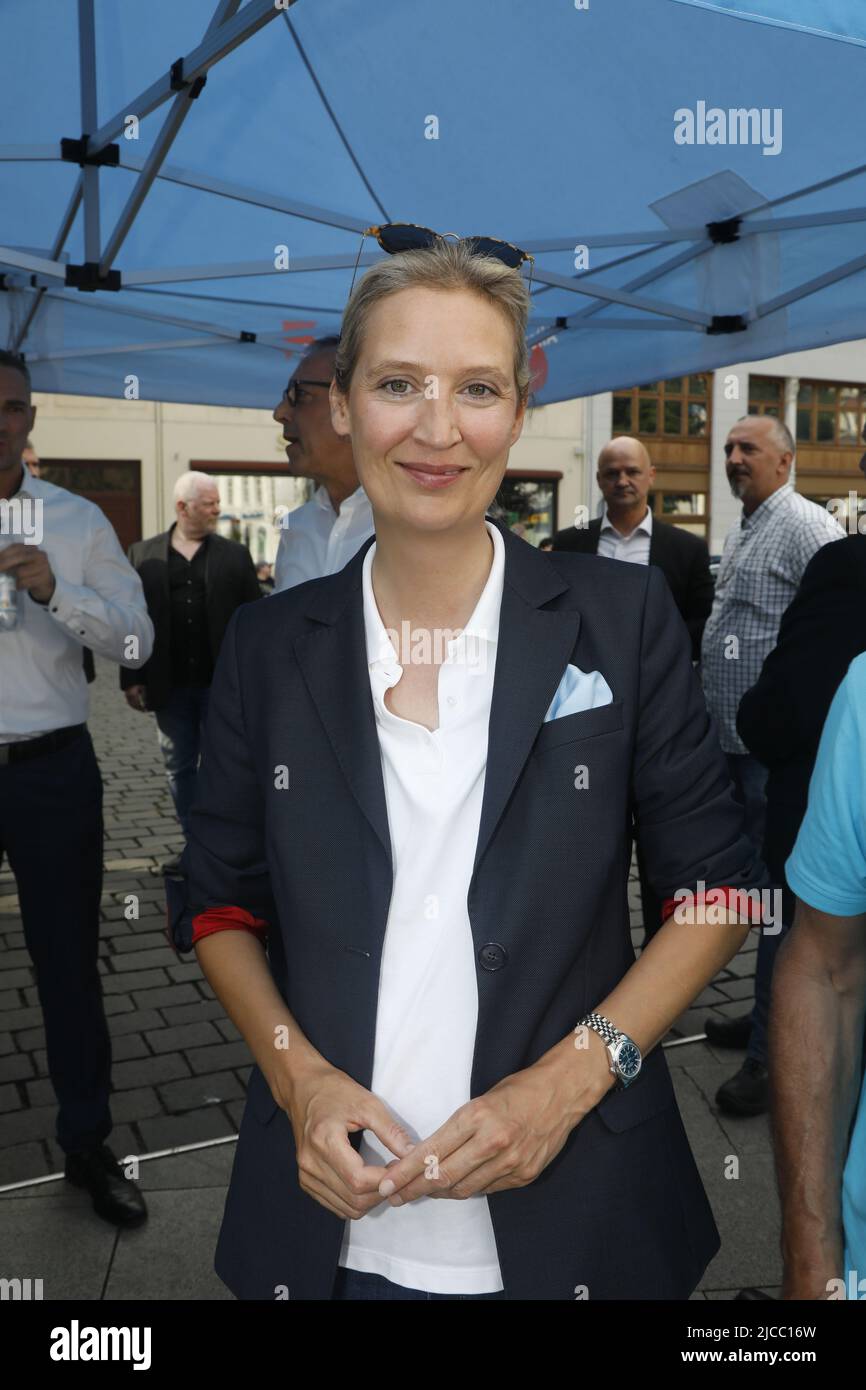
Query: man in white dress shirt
point(74, 588)
point(323, 535)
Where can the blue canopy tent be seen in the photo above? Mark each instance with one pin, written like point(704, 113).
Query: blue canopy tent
point(184, 187)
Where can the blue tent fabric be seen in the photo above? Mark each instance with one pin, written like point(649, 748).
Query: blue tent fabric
point(838, 19)
point(690, 182)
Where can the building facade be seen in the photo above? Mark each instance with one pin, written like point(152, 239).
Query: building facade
point(127, 455)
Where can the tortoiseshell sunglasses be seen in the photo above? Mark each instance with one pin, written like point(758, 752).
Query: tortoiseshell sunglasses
point(406, 236)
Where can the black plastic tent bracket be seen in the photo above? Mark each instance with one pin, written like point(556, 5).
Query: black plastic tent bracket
point(180, 84)
point(86, 277)
point(75, 152)
point(723, 233)
point(728, 323)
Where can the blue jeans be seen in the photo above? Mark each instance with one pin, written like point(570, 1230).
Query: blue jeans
point(750, 780)
point(351, 1284)
point(180, 723)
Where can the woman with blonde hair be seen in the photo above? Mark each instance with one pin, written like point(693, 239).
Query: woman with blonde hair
point(409, 856)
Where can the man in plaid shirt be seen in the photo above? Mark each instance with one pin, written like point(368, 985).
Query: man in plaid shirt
point(764, 558)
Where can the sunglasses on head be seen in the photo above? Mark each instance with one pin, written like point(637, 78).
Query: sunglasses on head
point(394, 237)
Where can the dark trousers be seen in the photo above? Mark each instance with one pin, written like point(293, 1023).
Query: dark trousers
point(181, 721)
point(51, 833)
point(750, 785)
point(352, 1284)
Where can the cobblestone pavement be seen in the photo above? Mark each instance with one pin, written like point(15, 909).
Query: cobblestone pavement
point(180, 1070)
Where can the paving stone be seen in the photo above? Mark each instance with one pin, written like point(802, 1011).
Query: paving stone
point(188, 970)
point(127, 1046)
point(139, 940)
point(192, 1013)
point(203, 1059)
point(13, 1019)
point(163, 1259)
point(229, 1031)
point(12, 960)
point(134, 980)
point(10, 1098)
point(142, 960)
point(10, 999)
point(16, 1066)
point(138, 1104)
point(23, 1125)
point(173, 994)
point(170, 1131)
point(21, 1161)
point(210, 1089)
point(184, 1036)
point(148, 1071)
point(136, 1021)
point(739, 989)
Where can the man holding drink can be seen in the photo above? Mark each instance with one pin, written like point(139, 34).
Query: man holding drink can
point(64, 584)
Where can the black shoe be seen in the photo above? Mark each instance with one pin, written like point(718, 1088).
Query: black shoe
point(748, 1092)
point(729, 1032)
point(115, 1198)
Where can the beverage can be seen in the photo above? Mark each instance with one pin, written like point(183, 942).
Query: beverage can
point(8, 602)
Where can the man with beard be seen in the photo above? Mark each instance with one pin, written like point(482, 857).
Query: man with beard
point(765, 555)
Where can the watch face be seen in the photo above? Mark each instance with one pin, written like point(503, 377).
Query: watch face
point(628, 1060)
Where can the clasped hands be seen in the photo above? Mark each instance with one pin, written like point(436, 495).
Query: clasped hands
point(500, 1140)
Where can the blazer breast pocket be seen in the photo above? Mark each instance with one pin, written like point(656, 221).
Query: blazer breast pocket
point(587, 723)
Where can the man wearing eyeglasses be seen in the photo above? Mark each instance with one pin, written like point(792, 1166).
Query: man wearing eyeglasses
point(323, 535)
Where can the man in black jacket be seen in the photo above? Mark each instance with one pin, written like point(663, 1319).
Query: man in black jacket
point(193, 582)
point(780, 720)
point(627, 530)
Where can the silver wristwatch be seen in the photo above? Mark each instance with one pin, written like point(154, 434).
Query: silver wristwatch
point(624, 1053)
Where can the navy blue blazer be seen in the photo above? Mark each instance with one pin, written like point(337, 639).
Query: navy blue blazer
point(621, 1209)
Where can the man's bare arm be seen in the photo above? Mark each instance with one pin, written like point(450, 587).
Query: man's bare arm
point(816, 1042)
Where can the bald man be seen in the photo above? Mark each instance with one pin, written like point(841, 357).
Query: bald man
point(627, 530)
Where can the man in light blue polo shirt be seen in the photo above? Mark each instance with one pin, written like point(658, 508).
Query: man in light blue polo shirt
point(817, 1020)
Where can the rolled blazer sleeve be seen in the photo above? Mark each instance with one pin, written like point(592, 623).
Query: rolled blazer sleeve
point(225, 856)
point(687, 821)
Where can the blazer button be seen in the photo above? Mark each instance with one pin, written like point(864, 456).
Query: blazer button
point(492, 956)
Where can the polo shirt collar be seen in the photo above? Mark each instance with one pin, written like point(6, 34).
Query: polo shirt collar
point(482, 626)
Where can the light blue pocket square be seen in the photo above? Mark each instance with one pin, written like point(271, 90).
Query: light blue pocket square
point(578, 690)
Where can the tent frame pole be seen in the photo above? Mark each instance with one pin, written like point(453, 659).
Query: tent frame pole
point(214, 46)
point(89, 118)
point(180, 109)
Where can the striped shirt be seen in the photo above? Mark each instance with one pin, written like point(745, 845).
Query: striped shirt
point(762, 564)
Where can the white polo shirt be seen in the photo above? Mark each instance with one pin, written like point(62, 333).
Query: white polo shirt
point(316, 540)
point(428, 989)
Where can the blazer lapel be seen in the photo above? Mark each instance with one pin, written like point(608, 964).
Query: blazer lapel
point(333, 661)
point(532, 652)
point(533, 649)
